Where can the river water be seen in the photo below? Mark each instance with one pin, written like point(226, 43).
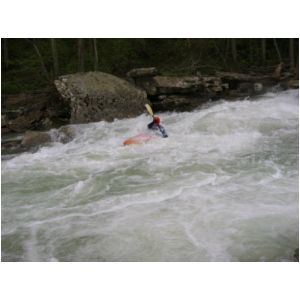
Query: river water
point(223, 187)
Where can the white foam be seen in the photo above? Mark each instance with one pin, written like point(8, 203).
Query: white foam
point(225, 172)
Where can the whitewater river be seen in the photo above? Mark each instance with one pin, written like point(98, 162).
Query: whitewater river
point(223, 187)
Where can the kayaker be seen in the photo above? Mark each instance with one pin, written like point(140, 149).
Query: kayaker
point(155, 125)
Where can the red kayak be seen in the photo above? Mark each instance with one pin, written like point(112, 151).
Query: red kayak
point(138, 139)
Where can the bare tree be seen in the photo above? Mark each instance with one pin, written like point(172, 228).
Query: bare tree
point(55, 57)
point(191, 56)
point(220, 52)
point(292, 54)
point(251, 45)
point(5, 52)
point(233, 50)
point(80, 55)
point(227, 48)
point(43, 66)
point(297, 67)
point(277, 50)
point(263, 50)
point(96, 60)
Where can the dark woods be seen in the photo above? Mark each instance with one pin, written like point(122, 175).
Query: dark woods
point(30, 64)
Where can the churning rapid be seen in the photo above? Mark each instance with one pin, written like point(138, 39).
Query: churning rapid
point(222, 187)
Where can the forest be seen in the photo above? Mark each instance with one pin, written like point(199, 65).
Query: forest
point(33, 64)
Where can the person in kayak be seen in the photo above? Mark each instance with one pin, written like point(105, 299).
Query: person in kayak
point(155, 125)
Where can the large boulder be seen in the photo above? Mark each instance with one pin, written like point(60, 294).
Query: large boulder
point(96, 96)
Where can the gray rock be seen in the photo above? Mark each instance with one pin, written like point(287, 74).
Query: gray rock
point(170, 85)
point(35, 138)
point(3, 120)
point(64, 134)
point(177, 85)
point(246, 87)
point(229, 76)
point(142, 72)
point(258, 87)
point(147, 84)
point(251, 88)
point(27, 121)
point(293, 84)
point(11, 147)
point(96, 96)
point(32, 110)
point(178, 103)
point(209, 81)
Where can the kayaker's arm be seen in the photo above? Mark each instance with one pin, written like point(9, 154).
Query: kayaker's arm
point(163, 131)
point(150, 125)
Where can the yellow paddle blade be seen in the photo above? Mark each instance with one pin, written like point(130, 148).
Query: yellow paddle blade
point(149, 109)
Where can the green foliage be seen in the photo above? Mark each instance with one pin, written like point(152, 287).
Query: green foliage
point(22, 68)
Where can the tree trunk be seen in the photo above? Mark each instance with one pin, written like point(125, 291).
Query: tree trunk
point(277, 50)
point(292, 55)
point(233, 50)
point(251, 50)
point(263, 50)
point(297, 68)
point(55, 57)
point(220, 52)
point(5, 52)
point(96, 60)
point(44, 69)
point(227, 48)
point(189, 46)
point(81, 55)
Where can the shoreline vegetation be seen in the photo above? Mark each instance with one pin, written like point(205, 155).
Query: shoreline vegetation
point(33, 64)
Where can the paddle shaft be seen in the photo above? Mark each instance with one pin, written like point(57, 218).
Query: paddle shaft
point(149, 109)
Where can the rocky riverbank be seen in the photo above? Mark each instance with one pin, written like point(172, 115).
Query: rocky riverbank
point(95, 96)
point(182, 93)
